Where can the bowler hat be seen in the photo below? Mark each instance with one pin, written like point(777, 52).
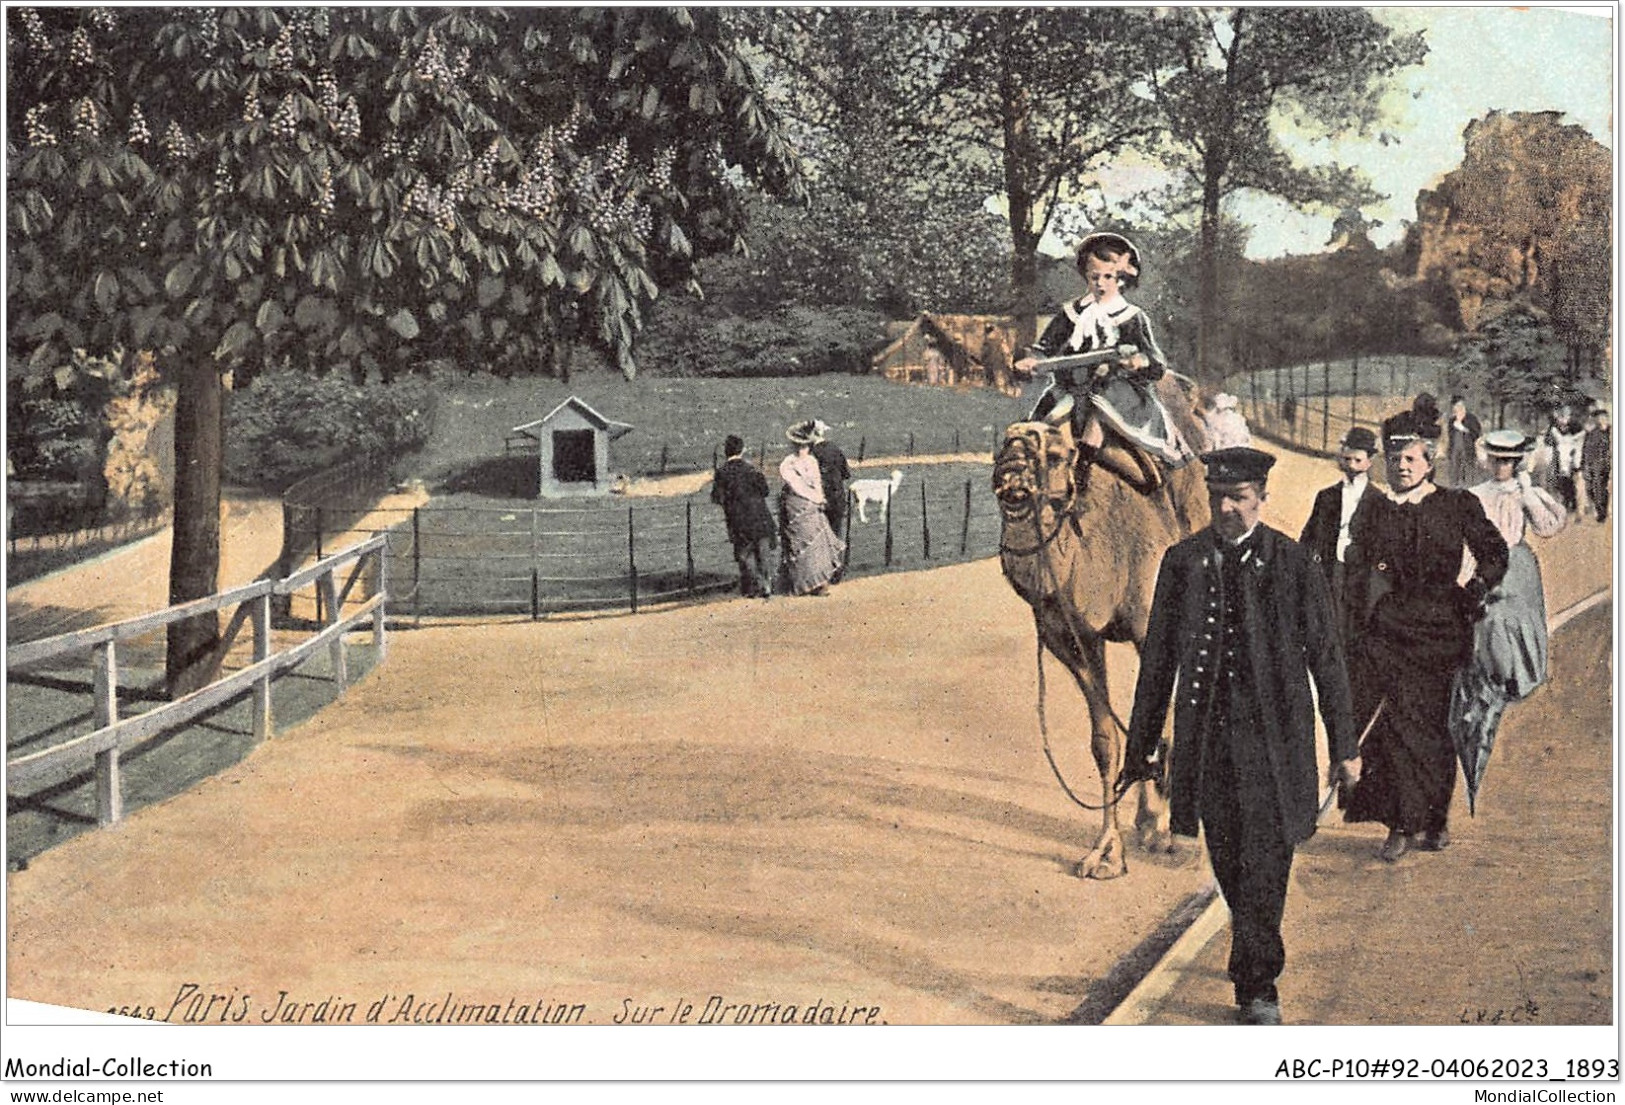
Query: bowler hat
point(1360, 438)
point(1238, 464)
point(1508, 444)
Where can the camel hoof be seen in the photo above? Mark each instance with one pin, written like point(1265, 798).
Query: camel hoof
point(1091, 867)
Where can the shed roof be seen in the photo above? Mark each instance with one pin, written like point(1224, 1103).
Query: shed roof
point(612, 428)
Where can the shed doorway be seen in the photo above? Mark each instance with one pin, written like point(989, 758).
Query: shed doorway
point(573, 456)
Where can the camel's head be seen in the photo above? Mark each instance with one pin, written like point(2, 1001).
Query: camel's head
point(1034, 466)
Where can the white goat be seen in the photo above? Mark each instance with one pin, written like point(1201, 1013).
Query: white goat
point(875, 491)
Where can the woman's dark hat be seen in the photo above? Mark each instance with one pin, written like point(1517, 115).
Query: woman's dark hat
point(1408, 426)
point(1508, 444)
point(1237, 465)
point(1360, 438)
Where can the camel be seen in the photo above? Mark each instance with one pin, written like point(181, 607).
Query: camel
point(1085, 557)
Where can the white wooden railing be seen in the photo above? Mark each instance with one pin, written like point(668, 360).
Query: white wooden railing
point(114, 736)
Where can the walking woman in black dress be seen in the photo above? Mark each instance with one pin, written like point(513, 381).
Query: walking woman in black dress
point(1419, 632)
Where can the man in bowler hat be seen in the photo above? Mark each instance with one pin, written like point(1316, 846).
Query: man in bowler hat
point(1333, 531)
point(1241, 621)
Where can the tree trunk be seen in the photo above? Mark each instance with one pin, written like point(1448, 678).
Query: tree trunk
point(1015, 109)
point(194, 559)
point(1207, 280)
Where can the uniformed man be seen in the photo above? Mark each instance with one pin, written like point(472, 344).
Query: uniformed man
point(1332, 533)
point(1240, 622)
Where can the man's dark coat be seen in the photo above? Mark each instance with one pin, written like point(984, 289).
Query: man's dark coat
point(1291, 637)
point(1320, 534)
point(742, 491)
point(835, 470)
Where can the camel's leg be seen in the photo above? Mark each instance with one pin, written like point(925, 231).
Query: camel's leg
point(1151, 820)
point(1106, 860)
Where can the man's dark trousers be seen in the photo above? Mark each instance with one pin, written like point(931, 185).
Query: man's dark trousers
point(1251, 862)
point(754, 575)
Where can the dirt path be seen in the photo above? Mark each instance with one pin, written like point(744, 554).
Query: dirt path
point(135, 580)
point(837, 800)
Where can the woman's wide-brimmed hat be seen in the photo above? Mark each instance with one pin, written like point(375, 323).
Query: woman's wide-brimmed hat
point(804, 433)
point(1508, 444)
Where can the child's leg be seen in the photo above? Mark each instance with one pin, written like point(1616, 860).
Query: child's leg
point(1089, 433)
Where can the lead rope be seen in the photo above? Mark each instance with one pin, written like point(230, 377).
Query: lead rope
point(1038, 635)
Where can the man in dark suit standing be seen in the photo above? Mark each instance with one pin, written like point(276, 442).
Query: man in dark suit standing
point(742, 491)
point(837, 473)
point(1597, 462)
point(1241, 619)
point(1461, 445)
point(1333, 531)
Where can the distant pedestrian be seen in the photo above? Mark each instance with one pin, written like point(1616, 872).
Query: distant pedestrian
point(1565, 440)
point(1226, 428)
point(1508, 659)
point(1461, 445)
point(741, 489)
point(1240, 624)
point(1597, 462)
point(1332, 534)
point(812, 552)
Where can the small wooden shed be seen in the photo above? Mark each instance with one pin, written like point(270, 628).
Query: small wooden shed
point(573, 447)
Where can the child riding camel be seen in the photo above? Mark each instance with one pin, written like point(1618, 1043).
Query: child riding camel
point(1114, 389)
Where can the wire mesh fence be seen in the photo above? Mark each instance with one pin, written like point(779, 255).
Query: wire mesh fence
point(639, 455)
point(1312, 406)
point(538, 558)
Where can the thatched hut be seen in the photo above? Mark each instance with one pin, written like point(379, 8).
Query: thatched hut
point(952, 351)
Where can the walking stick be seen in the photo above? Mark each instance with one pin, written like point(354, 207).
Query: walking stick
point(1336, 793)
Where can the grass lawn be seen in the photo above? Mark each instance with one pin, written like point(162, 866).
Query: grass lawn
point(683, 420)
point(480, 554)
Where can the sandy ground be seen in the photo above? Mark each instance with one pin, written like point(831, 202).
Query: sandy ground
point(133, 581)
point(840, 800)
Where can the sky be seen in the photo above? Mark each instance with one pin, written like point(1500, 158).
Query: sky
point(1480, 58)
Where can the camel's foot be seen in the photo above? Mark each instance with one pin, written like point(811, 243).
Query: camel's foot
point(1157, 840)
point(1106, 861)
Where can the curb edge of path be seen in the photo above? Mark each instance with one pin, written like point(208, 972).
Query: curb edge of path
point(1147, 996)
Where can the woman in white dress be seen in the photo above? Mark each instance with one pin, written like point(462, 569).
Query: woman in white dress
point(1509, 642)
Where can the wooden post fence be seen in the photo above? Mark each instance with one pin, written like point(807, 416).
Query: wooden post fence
point(632, 558)
point(925, 523)
point(688, 540)
point(964, 530)
point(1326, 402)
point(1354, 390)
point(262, 652)
point(112, 735)
point(888, 526)
point(109, 793)
point(417, 566)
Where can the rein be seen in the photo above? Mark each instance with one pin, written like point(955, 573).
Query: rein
point(1053, 586)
